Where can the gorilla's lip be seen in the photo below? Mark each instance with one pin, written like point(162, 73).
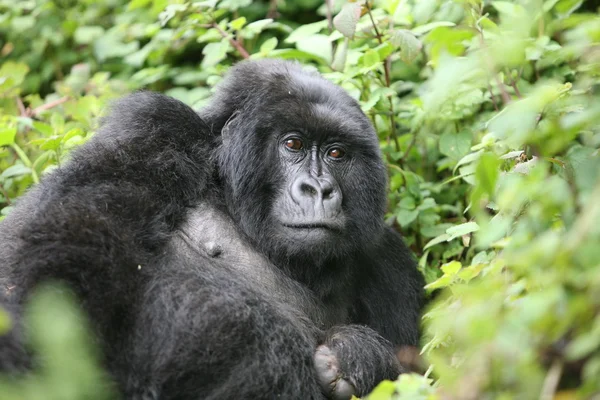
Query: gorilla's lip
point(332, 226)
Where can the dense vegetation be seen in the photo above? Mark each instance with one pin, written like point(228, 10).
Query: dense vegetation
point(488, 115)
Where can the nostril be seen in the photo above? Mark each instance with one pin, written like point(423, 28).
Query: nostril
point(327, 192)
point(308, 189)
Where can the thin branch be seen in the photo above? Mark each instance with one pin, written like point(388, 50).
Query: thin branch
point(272, 13)
point(48, 106)
point(492, 96)
point(237, 45)
point(388, 81)
point(514, 82)
point(503, 93)
point(5, 194)
point(516, 89)
point(552, 380)
point(373, 22)
point(410, 145)
point(329, 5)
point(21, 106)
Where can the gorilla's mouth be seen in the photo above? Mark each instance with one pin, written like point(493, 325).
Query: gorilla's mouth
point(330, 226)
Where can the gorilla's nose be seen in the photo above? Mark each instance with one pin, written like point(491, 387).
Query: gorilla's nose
point(317, 192)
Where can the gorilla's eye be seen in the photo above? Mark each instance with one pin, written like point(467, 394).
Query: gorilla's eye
point(294, 144)
point(336, 152)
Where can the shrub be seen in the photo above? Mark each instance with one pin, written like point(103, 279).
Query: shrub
point(488, 115)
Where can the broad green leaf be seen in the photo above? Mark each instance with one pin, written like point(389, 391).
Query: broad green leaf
point(451, 268)
point(419, 30)
point(370, 59)
point(12, 75)
point(238, 23)
point(348, 17)
point(214, 53)
point(442, 282)
point(383, 391)
point(87, 34)
point(566, 7)
point(339, 60)
point(410, 46)
point(7, 135)
point(234, 5)
point(437, 240)
point(455, 145)
point(305, 31)
point(318, 45)
point(462, 229)
point(469, 158)
point(258, 26)
point(466, 274)
point(269, 45)
point(487, 172)
point(407, 203)
point(405, 217)
point(15, 170)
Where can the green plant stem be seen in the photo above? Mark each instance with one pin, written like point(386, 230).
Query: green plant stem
point(388, 81)
point(26, 161)
point(237, 45)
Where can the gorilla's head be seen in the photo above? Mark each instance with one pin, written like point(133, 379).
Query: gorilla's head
point(299, 160)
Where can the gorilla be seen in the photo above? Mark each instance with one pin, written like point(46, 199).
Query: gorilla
point(237, 252)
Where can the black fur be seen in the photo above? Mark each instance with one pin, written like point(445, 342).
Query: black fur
point(212, 259)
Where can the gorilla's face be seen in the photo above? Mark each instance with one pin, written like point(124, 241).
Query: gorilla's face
point(302, 167)
point(309, 206)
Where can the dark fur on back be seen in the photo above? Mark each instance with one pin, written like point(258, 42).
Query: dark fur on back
point(164, 226)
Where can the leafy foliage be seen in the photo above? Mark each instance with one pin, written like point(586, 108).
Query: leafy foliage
point(488, 115)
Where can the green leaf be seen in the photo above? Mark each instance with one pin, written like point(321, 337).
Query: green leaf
point(269, 45)
point(15, 170)
point(348, 17)
point(305, 31)
point(405, 217)
point(462, 229)
point(87, 34)
point(419, 30)
point(466, 274)
point(341, 53)
point(214, 53)
point(442, 282)
point(407, 203)
point(12, 74)
point(410, 46)
point(370, 59)
point(455, 145)
point(234, 5)
point(437, 240)
point(238, 23)
point(451, 268)
point(469, 158)
point(383, 391)
point(7, 135)
point(318, 45)
point(112, 44)
point(487, 172)
point(258, 26)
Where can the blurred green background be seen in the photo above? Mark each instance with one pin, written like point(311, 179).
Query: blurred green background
point(488, 113)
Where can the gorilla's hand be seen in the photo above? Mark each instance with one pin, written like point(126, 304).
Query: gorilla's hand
point(352, 360)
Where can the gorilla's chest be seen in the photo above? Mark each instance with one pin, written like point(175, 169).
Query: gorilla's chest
point(209, 240)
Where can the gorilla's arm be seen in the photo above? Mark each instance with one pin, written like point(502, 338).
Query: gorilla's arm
point(353, 358)
point(97, 220)
point(391, 292)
